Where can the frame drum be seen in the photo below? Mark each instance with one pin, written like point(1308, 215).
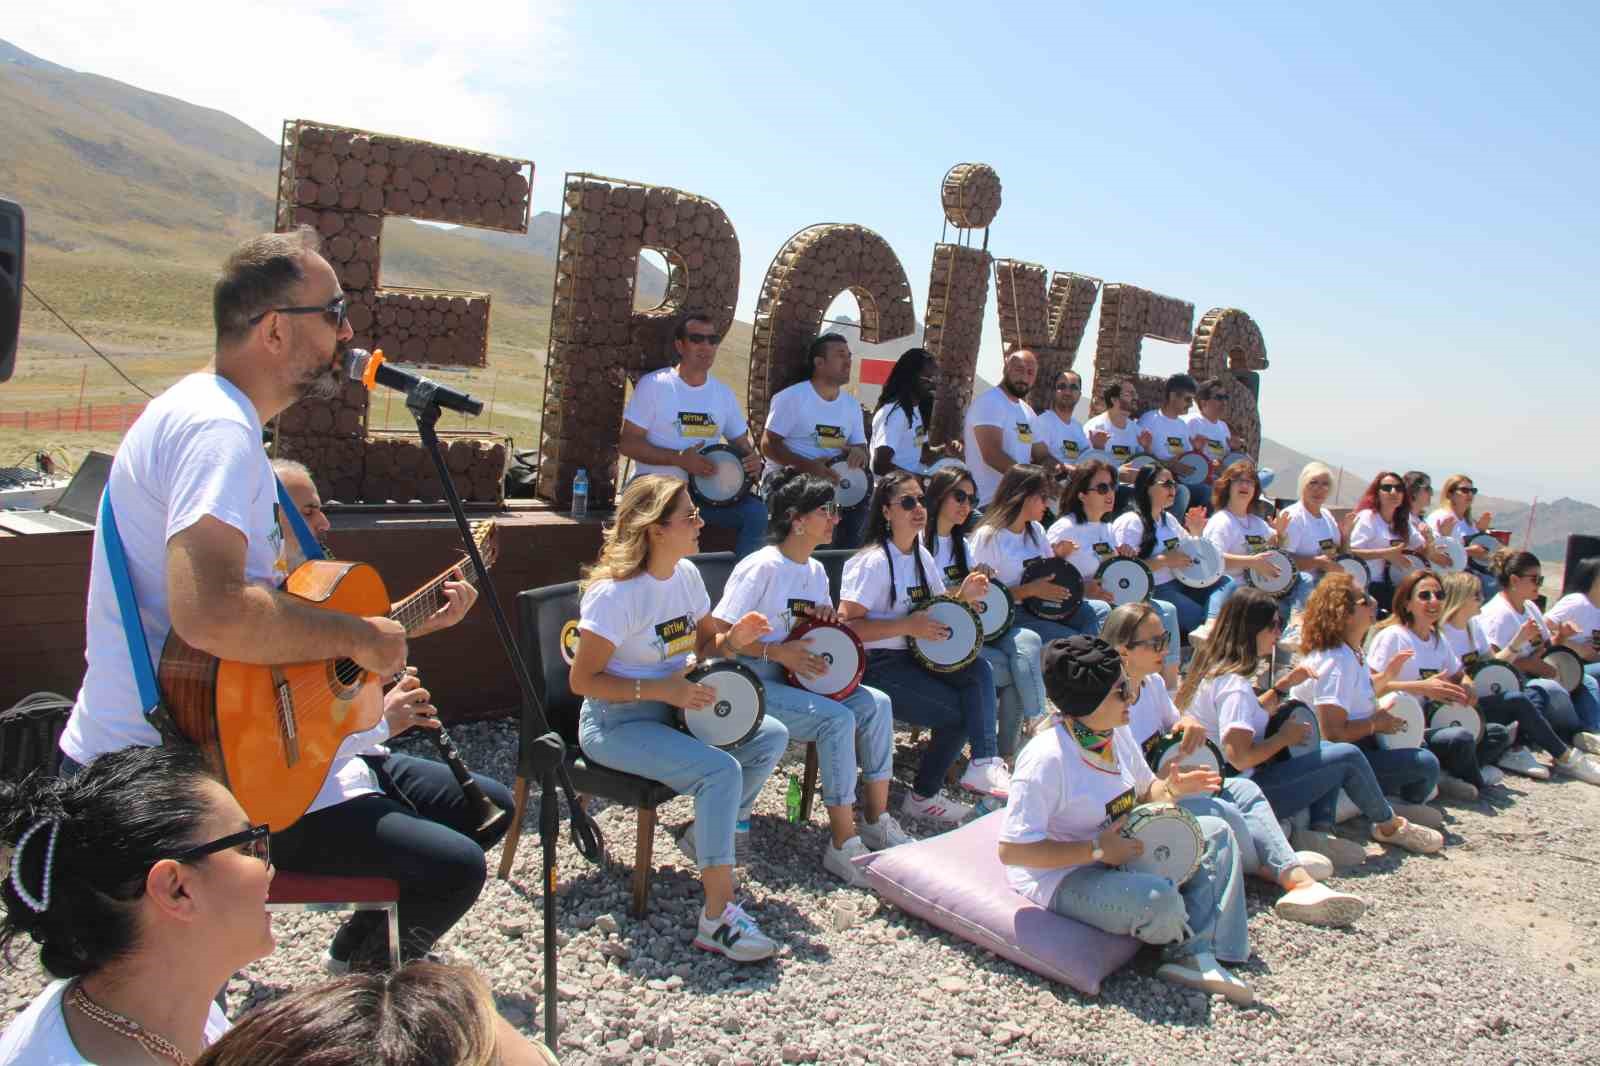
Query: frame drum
point(1126, 579)
point(740, 705)
point(1279, 586)
point(1208, 565)
point(855, 483)
point(1403, 705)
point(1356, 568)
point(958, 649)
point(1193, 469)
point(1496, 678)
point(839, 645)
point(726, 485)
point(1569, 668)
point(996, 610)
point(1062, 573)
point(1441, 715)
point(1162, 749)
point(1173, 842)
point(1296, 711)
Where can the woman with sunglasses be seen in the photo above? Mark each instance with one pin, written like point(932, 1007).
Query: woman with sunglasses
point(1454, 518)
point(785, 585)
point(1013, 657)
point(1136, 631)
point(145, 887)
point(1218, 692)
point(1082, 536)
point(1383, 533)
point(1241, 535)
point(644, 612)
point(1345, 695)
point(1061, 838)
point(1543, 718)
point(882, 582)
point(1149, 528)
point(1433, 674)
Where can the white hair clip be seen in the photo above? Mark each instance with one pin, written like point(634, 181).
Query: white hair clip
point(40, 903)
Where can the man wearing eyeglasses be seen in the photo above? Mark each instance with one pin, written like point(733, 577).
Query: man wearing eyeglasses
point(679, 410)
point(1062, 434)
point(196, 504)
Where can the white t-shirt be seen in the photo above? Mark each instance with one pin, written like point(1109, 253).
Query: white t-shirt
point(1065, 438)
point(1123, 444)
point(195, 452)
point(1008, 552)
point(650, 623)
point(1429, 657)
point(1153, 711)
point(950, 566)
point(1169, 437)
point(1346, 682)
point(1371, 531)
point(1129, 529)
point(677, 415)
point(1225, 704)
point(1576, 608)
point(1469, 644)
point(774, 584)
point(1500, 624)
point(866, 581)
point(1058, 794)
point(1216, 433)
point(814, 428)
point(1014, 418)
point(902, 436)
point(1463, 526)
point(1095, 542)
point(1310, 534)
point(39, 1036)
point(1233, 535)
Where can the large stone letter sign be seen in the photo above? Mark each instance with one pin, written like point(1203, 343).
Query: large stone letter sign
point(1049, 325)
point(1129, 314)
point(1228, 345)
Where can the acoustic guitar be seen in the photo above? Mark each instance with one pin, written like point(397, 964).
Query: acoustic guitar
point(272, 732)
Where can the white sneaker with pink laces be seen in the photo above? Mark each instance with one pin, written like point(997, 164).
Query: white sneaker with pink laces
point(935, 808)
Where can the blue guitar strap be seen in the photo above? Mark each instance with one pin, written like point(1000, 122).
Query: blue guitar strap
point(144, 675)
point(309, 546)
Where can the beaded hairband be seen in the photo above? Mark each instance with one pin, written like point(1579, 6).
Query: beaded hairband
point(40, 903)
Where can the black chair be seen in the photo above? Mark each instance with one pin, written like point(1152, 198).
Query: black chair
point(833, 560)
point(30, 733)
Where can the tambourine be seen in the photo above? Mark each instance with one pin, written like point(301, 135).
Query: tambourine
point(855, 483)
point(1457, 552)
point(1296, 711)
point(723, 486)
point(1193, 469)
point(1444, 715)
point(996, 611)
point(1483, 540)
point(943, 464)
point(1495, 678)
point(1279, 586)
point(840, 647)
point(1208, 565)
point(740, 705)
point(1126, 579)
point(957, 650)
point(1569, 668)
point(1162, 749)
point(1172, 839)
point(1356, 568)
point(1407, 708)
point(1063, 573)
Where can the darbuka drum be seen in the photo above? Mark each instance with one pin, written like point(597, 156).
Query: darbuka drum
point(1569, 668)
point(1279, 586)
point(1483, 540)
point(1207, 567)
point(1403, 705)
point(1173, 842)
point(1496, 679)
point(724, 485)
point(942, 464)
point(843, 651)
point(1141, 461)
point(1192, 469)
point(736, 713)
point(1457, 552)
point(855, 483)
point(1162, 749)
point(1125, 579)
point(1062, 573)
point(996, 611)
point(1296, 711)
point(1443, 715)
point(1356, 568)
point(960, 647)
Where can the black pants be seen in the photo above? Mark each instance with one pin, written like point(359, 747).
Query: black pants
point(1464, 755)
point(1538, 724)
point(415, 831)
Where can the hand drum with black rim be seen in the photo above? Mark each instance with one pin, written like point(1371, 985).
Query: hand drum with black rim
point(735, 714)
point(1208, 563)
point(1444, 715)
point(1125, 579)
point(996, 610)
point(1569, 668)
point(1356, 568)
point(1496, 679)
point(854, 485)
point(1193, 469)
point(1162, 749)
point(1296, 711)
point(843, 651)
point(1172, 838)
point(723, 486)
point(960, 647)
point(1279, 586)
point(1062, 573)
point(1457, 553)
point(1483, 540)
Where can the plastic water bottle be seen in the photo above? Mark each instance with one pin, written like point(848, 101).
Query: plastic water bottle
point(792, 798)
point(580, 493)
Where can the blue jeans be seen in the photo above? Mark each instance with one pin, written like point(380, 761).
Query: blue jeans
point(1410, 773)
point(1014, 660)
point(640, 738)
point(857, 729)
point(1311, 782)
point(1536, 724)
point(748, 515)
point(1088, 618)
point(1155, 911)
point(958, 707)
point(1189, 603)
point(1256, 829)
point(1219, 594)
point(1558, 705)
point(1586, 701)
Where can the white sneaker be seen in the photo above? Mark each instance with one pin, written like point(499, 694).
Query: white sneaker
point(1587, 742)
point(987, 777)
point(1521, 761)
point(1492, 775)
point(837, 862)
point(935, 808)
point(1576, 764)
point(1319, 905)
point(734, 934)
point(336, 967)
point(884, 833)
point(1204, 972)
point(1317, 866)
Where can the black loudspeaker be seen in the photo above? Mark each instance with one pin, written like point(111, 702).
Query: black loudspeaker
point(12, 228)
point(1580, 546)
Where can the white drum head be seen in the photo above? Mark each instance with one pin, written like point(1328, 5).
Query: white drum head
point(1399, 571)
point(1193, 469)
point(1496, 679)
point(1208, 563)
point(737, 708)
point(1172, 842)
point(726, 483)
point(1202, 758)
point(1125, 580)
point(1403, 705)
point(1139, 462)
point(941, 464)
point(1357, 569)
point(965, 634)
point(994, 610)
point(843, 654)
point(1097, 455)
point(1457, 552)
point(1302, 713)
point(1236, 457)
point(1569, 667)
point(1276, 586)
point(854, 483)
point(1459, 714)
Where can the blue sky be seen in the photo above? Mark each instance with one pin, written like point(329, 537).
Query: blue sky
point(1401, 196)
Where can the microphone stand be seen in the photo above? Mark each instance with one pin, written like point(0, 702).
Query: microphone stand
point(543, 757)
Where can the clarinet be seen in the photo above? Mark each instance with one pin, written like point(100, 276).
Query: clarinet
point(491, 817)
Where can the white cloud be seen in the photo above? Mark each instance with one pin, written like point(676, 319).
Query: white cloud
point(454, 73)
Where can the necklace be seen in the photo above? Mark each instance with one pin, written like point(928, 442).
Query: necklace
point(157, 1045)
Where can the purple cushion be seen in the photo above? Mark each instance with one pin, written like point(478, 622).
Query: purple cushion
point(955, 881)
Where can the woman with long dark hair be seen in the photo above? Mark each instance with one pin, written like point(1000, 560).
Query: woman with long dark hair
point(900, 420)
point(1011, 534)
point(1149, 528)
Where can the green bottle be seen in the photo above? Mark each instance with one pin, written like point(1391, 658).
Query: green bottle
point(792, 798)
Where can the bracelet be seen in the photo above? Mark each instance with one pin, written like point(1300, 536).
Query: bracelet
point(764, 648)
point(1096, 854)
point(636, 685)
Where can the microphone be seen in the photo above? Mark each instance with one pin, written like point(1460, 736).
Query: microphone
point(370, 369)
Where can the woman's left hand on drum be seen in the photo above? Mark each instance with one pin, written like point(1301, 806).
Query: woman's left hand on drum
point(924, 626)
point(690, 696)
point(798, 657)
point(974, 587)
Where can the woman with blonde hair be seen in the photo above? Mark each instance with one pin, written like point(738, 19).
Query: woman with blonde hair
point(1313, 536)
point(1454, 518)
point(645, 612)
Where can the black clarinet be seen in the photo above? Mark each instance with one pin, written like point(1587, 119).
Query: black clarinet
point(491, 817)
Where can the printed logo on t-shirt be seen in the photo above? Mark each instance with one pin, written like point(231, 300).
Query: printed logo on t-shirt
point(796, 610)
point(1214, 447)
point(1024, 433)
point(830, 437)
point(569, 641)
point(675, 636)
point(921, 437)
point(1169, 544)
point(697, 424)
point(1255, 543)
point(953, 574)
point(1594, 638)
point(1120, 806)
point(917, 593)
point(1070, 449)
point(1470, 659)
point(1326, 545)
point(1175, 443)
point(1121, 451)
point(1425, 674)
point(1102, 550)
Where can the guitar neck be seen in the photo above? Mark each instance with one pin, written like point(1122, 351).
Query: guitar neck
point(421, 604)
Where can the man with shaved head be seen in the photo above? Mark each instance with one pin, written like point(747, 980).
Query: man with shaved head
point(1000, 431)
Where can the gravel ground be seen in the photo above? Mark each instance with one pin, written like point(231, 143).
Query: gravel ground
point(1489, 954)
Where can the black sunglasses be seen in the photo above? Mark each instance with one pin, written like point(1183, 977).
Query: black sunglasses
point(1391, 488)
point(1428, 595)
point(1465, 490)
point(963, 496)
point(1164, 483)
point(255, 842)
point(911, 503)
point(337, 310)
point(1102, 489)
point(702, 338)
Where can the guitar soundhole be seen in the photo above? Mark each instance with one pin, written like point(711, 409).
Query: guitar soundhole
point(345, 674)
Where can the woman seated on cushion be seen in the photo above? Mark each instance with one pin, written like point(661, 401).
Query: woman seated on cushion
point(1217, 691)
point(1061, 839)
point(1135, 630)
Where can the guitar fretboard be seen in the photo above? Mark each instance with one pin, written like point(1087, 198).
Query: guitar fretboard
point(422, 603)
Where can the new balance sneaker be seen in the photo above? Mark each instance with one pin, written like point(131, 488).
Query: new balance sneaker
point(1587, 742)
point(884, 833)
point(1492, 775)
point(935, 808)
point(1319, 905)
point(1576, 764)
point(735, 934)
point(837, 862)
point(987, 777)
point(1521, 761)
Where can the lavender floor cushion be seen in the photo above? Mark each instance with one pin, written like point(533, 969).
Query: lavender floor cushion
point(955, 881)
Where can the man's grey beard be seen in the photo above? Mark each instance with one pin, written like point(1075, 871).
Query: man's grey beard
point(326, 384)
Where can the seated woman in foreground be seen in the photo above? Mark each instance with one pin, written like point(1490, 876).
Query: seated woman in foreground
point(1061, 839)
